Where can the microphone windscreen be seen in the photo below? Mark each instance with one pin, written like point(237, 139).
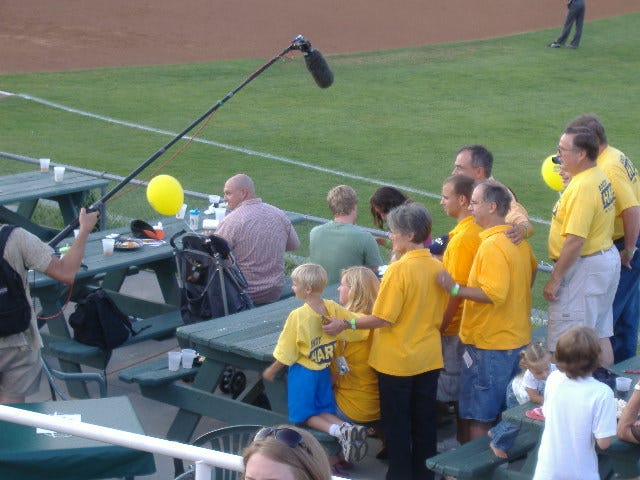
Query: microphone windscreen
point(319, 69)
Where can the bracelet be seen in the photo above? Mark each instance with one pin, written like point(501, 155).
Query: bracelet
point(455, 290)
point(387, 243)
point(637, 386)
point(352, 323)
point(630, 253)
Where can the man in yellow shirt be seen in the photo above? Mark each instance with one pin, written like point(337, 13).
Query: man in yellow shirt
point(477, 162)
point(585, 276)
point(464, 241)
point(625, 181)
point(496, 323)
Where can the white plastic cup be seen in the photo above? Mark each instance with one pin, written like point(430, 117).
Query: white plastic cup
point(58, 174)
point(107, 246)
point(623, 384)
point(188, 355)
point(220, 213)
point(174, 360)
point(44, 164)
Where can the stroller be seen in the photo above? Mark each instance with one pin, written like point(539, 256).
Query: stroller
point(211, 283)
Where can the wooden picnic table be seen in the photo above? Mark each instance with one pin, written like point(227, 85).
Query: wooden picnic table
point(25, 190)
point(108, 272)
point(26, 454)
point(243, 340)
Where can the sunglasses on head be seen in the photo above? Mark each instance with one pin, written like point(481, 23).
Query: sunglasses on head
point(288, 436)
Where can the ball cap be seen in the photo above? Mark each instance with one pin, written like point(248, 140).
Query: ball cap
point(141, 229)
point(439, 245)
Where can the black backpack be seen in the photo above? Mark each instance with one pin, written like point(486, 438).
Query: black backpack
point(98, 321)
point(211, 283)
point(15, 309)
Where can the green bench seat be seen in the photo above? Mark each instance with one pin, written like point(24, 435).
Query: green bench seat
point(159, 327)
point(476, 461)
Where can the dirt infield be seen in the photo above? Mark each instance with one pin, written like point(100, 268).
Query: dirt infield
point(71, 34)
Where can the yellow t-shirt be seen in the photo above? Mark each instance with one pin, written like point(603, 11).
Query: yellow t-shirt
point(357, 392)
point(303, 341)
point(412, 301)
point(585, 209)
point(623, 176)
point(464, 241)
point(503, 271)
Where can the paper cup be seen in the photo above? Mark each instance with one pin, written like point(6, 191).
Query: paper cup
point(220, 213)
point(107, 246)
point(44, 164)
point(174, 360)
point(58, 173)
point(623, 384)
point(188, 356)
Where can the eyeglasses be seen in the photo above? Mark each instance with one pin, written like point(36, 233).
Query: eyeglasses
point(474, 203)
point(288, 436)
point(563, 149)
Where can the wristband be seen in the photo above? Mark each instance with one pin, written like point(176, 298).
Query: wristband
point(455, 290)
point(630, 253)
point(387, 243)
point(352, 322)
point(637, 386)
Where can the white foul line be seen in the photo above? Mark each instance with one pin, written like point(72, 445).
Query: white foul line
point(233, 148)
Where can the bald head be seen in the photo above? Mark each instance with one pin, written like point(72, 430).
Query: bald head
point(238, 189)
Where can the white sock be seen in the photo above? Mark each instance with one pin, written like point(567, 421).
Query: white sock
point(334, 430)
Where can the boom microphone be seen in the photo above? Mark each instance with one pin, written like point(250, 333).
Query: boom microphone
point(316, 64)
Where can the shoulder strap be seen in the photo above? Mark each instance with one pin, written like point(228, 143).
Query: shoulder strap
point(5, 231)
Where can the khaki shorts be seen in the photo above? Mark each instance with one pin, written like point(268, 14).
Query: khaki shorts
point(586, 296)
point(20, 371)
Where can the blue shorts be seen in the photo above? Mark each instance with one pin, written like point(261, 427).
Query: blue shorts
point(309, 392)
point(484, 377)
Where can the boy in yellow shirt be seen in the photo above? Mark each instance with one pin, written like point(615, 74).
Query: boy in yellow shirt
point(307, 351)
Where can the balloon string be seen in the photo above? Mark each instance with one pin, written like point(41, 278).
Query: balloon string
point(191, 139)
point(166, 162)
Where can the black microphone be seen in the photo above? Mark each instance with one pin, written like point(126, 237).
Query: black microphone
point(316, 64)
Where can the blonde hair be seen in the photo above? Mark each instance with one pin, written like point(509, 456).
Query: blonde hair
point(310, 275)
point(308, 461)
point(535, 355)
point(342, 200)
point(363, 289)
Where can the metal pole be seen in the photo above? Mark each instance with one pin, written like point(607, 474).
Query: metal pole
point(69, 228)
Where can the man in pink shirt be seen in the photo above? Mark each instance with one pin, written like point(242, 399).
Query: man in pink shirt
point(258, 234)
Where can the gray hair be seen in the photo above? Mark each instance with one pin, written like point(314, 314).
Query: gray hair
point(493, 191)
point(412, 217)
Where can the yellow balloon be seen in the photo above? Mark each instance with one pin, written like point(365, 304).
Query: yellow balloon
point(165, 195)
point(550, 174)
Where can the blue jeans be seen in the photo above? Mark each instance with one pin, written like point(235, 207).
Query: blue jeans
point(626, 309)
point(504, 433)
point(484, 380)
point(408, 410)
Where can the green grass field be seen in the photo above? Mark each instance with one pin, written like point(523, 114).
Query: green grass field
point(393, 117)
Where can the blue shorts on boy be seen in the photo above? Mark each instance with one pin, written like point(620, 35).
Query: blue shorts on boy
point(314, 393)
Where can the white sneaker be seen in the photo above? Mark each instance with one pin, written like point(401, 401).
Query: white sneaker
point(353, 440)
